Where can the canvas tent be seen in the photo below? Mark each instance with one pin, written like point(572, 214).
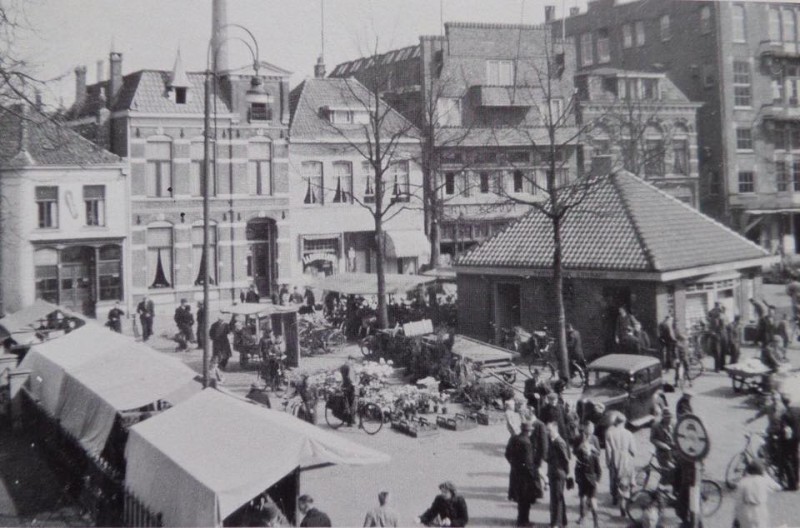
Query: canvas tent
point(21, 325)
point(201, 460)
point(367, 283)
point(89, 375)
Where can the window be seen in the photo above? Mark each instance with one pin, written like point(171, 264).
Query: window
point(312, 182)
point(198, 265)
point(796, 176)
point(197, 171)
point(789, 26)
point(519, 156)
point(705, 20)
point(47, 206)
point(342, 181)
point(463, 184)
point(159, 257)
point(627, 36)
point(714, 184)
point(744, 139)
point(500, 72)
point(680, 162)
point(401, 185)
point(519, 181)
point(738, 23)
point(109, 272)
point(499, 182)
point(159, 169)
point(45, 263)
point(650, 89)
point(260, 111)
point(781, 176)
point(666, 34)
point(180, 95)
point(775, 24)
point(639, 32)
point(259, 169)
point(708, 76)
point(486, 156)
point(778, 89)
point(747, 182)
point(366, 175)
point(603, 46)
point(341, 117)
point(741, 83)
point(450, 183)
point(448, 112)
point(654, 152)
point(452, 157)
point(484, 182)
point(94, 199)
point(587, 56)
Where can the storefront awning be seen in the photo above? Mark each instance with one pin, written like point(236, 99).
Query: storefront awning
point(201, 460)
point(404, 244)
point(785, 210)
point(367, 283)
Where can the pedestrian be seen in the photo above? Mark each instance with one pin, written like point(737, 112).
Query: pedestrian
point(252, 295)
point(667, 342)
point(620, 455)
point(296, 297)
point(283, 295)
point(382, 515)
point(751, 508)
point(201, 329)
point(716, 325)
point(115, 318)
point(658, 404)
point(522, 478)
point(349, 394)
point(734, 332)
point(552, 411)
point(684, 405)
point(311, 515)
point(146, 310)
point(575, 347)
point(558, 458)
point(309, 298)
point(587, 473)
point(539, 443)
point(624, 325)
point(221, 346)
point(788, 445)
point(513, 420)
point(448, 508)
point(184, 320)
point(535, 390)
point(661, 438)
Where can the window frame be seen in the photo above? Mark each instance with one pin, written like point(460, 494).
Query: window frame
point(738, 27)
point(310, 198)
point(367, 176)
point(346, 191)
point(781, 176)
point(159, 168)
point(746, 181)
point(740, 85)
point(587, 59)
point(627, 36)
point(496, 78)
point(94, 207)
point(664, 28)
point(639, 33)
point(169, 272)
point(47, 208)
point(744, 139)
point(259, 165)
point(603, 46)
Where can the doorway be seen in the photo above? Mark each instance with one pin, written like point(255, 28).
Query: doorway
point(260, 259)
point(77, 284)
point(507, 313)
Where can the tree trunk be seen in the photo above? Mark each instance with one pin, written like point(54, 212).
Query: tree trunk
point(383, 316)
point(558, 284)
point(435, 237)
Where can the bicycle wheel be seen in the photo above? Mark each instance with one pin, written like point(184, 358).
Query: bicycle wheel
point(695, 368)
point(576, 378)
point(336, 339)
point(371, 418)
point(775, 473)
point(641, 477)
point(735, 470)
point(639, 504)
point(330, 418)
point(710, 497)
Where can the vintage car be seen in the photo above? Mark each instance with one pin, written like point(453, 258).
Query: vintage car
point(620, 382)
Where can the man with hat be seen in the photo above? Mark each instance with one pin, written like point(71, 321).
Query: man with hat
point(522, 479)
point(553, 411)
point(661, 438)
point(184, 320)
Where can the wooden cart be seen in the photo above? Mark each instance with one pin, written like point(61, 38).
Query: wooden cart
point(490, 360)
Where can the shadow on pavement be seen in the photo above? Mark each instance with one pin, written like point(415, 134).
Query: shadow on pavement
point(492, 493)
point(487, 448)
point(719, 392)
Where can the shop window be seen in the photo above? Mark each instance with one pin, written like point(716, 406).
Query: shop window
point(47, 206)
point(198, 264)
point(159, 257)
point(259, 169)
point(94, 199)
point(45, 263)
point(109, 273)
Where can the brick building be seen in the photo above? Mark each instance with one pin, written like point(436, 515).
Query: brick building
point(480, 89)
point(155, 119)
point(628, 244)
point(741, 60)
point(64, 224)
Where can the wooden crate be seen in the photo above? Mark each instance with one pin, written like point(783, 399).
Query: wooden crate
point(459, 422)
point(417, 428)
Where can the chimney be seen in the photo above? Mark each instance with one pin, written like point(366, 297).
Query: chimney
point(219, 19)
point(80, 84)
point(574, 11)
point(549, 13)
point(319, 68)
point(99, 71)
point(115, 76)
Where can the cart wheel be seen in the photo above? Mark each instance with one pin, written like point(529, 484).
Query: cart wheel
point(332, 420)
point(710, 497)
point(735, 470)
point(639, 504)
point(510, 376)
point(371, 418)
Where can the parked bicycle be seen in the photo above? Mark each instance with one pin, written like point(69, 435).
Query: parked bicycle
point(316, 338)
point(368, 415)
point(755, 448)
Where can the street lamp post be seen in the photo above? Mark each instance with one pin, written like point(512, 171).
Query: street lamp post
point(254, 94)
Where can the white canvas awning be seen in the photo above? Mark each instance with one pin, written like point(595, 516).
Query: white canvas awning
point(367, 283)
point(86, 377)
point(201, 460)
point(408, 243)
point(21, 325)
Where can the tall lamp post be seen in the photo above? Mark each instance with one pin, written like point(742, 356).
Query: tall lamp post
point(255, 94)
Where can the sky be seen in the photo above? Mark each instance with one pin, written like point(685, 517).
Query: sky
point(62, 34)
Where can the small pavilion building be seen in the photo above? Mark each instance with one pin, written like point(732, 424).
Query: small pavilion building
point(627, 244)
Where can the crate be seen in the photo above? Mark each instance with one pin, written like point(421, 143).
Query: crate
point(418, 428)
point(460, 422)
point(488, 418)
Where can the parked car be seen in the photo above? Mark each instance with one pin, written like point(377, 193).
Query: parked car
point(620, 382)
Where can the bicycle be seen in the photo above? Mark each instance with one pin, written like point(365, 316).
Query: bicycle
point(753, 449)
point(369, 415)
point(663, 495)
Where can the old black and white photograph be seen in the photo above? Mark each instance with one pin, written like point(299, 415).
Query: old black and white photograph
point(382, 263)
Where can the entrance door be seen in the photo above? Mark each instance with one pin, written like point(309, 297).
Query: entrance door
point(507, 306)
point(77, 283)
point(261, 265)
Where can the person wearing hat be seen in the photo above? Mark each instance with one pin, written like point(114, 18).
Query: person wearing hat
point(220, 345)
point(684, 405)
point(661, 438)
point(522, 478)
point(552, 411)
point(184, 320)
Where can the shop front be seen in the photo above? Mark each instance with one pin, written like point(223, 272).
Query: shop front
point(320, 254)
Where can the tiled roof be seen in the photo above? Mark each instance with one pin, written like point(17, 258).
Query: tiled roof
point(36, 140)
point(625, 224)
point(352, 67)
point(309, 98)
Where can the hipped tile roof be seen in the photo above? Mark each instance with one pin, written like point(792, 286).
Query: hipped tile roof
point(624, 224)
point(30, 139)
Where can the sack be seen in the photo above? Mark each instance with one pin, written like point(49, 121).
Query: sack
point(570, 483)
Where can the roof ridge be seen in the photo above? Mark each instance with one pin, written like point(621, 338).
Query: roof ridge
point(696, 212)
point(648, 254)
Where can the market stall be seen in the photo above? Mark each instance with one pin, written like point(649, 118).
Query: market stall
point(36, 323)
point(367, 283)
point(202, 460)
point(282, 320)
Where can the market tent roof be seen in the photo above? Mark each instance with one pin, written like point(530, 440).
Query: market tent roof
point(85, 378)
point(21, 324)
point(407, 243)
point(201, 460)
point(255, 309)
point(367, 283)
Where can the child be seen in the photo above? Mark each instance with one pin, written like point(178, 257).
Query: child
point(587, 474)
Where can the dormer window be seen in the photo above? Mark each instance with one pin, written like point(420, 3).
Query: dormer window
point(180, 95)
point(348, 117)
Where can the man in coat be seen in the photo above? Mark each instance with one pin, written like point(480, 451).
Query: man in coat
point(311, 515)
point(115, 318)
point(667, 342)
point(575, 346)
point(146, 310)
point(558, 456)
point(252, 295)
point(521, 485)
point(221, 347)
point(201, 319)
point(184, 320)
point(620, 455)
